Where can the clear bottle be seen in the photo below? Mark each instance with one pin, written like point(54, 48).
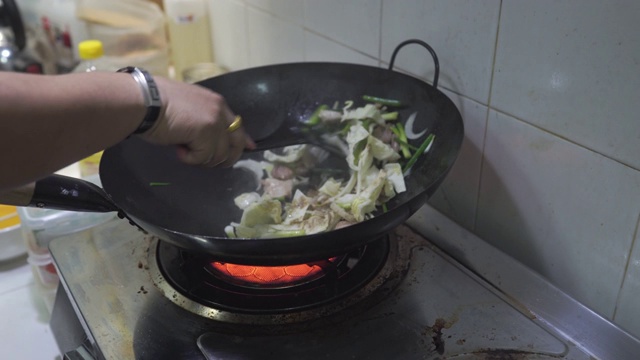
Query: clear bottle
point(90, 52)
point(189, 33)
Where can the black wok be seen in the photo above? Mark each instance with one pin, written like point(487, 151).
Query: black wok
point(193, 210)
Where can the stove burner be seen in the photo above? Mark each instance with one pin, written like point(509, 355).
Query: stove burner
point(241, 289)
point(270, 277)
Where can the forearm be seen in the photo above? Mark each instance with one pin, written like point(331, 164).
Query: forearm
point(48, 122)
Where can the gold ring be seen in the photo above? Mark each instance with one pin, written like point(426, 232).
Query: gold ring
point(235, 125)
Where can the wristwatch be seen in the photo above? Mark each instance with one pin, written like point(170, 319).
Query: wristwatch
point(151, 96)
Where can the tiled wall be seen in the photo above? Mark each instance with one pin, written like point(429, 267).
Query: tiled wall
point(549, 92)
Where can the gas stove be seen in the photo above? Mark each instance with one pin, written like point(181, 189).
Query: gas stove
point(125, 295)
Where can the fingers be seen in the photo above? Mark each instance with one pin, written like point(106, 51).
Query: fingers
point(222, 148)
point(236, 147)
point(197, 121)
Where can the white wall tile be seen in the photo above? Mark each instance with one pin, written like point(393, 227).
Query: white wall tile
point(458, 194)
point(628, 310)
point(273, 40)
point(462, 33)
point(354, 23)
point(318, 48)
point(563, 210)
point(572, 67)
point(229, 33)
point(290, 10)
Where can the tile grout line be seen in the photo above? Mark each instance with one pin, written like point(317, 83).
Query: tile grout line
point(546, 131)
point(626, 268)
point(486, 127)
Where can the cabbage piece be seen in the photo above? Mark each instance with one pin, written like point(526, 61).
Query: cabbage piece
point(240, 231)
point(298, 208)
point(244, 200)
point(255, 167)
point(365, 202)
point(382, 151)
point(290, 154)
point(319, 221)
point(330, 187)
point(362, 206)
point(369, 111)
point(267, 211)
point(394, 175)
point(278, 231)
point(364, 164)
point(350, 185)
point(356, 143)
point(342, 213)
point(345, 201)
point(388, 192)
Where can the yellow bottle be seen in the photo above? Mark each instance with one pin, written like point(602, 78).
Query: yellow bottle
point(8, 216)
point(90, 51)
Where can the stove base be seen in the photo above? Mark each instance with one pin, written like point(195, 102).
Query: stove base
point(438, 310)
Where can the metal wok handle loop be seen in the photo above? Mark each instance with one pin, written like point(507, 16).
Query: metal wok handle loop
point(436, 63)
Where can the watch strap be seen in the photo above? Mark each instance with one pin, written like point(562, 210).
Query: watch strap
point(151, 96)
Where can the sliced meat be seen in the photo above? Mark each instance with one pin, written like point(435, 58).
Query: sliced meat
point(277, 188)
point(383, 133)
point(282, 172)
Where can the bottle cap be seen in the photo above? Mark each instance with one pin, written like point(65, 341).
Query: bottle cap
point(90, 49)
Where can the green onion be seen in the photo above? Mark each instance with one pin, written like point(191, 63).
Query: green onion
point(315, 116)
point(411, 147)
point(382, 101)
point(417, 154)
point(403, 139)
point(384, 207)
point(390, 116)
point(345, 129)
point(159, 183)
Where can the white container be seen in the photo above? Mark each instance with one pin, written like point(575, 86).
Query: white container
point(43, 266)
point(189, 33)
point(11, 243)
point(46, 277)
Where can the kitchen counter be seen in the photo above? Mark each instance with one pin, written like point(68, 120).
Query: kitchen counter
point(25, 332)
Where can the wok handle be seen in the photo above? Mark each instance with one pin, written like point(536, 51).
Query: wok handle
point(281, 137)
point(436, 63)
point(67, 193)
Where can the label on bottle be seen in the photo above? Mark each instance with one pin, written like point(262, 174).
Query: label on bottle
point(184, 19)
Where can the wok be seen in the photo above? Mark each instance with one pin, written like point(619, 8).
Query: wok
point(193, 210)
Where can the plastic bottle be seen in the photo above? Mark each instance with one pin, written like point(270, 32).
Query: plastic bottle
point(90, 52)
point(189, 33)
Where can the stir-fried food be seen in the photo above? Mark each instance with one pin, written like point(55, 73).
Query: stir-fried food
point(290, 201)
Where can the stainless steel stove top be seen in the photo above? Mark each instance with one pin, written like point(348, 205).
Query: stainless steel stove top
point(111, 308)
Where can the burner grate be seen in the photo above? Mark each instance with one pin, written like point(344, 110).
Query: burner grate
point(200, 279)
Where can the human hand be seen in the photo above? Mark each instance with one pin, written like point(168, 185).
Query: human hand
point(197, 119)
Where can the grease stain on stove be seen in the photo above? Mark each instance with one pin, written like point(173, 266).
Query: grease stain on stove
point(435, 333)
